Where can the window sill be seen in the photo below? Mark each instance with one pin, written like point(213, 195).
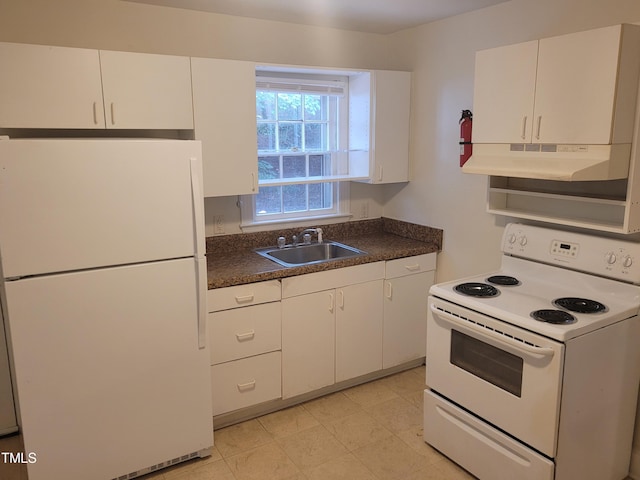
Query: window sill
point(249, 227)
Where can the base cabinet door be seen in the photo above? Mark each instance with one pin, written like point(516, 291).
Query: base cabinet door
point(308, 342)
point(405, 318)
point(358, 330)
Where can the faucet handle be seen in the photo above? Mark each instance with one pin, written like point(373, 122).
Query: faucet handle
point(306, 239)
point(281, 242)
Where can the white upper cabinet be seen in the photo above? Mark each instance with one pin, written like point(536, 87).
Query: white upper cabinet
point(578, 88)
point(50, 87)
point(379, 115)
point(146, 91)
point(503, 96)
point(224, 107)
point(59, 87)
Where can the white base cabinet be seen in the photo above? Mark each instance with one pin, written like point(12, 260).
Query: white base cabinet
point(331, 334)
point(406, 288)
point(243, 327)
point(273, 340)
point(308, 340)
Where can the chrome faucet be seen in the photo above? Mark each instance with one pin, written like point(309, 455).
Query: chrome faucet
point(306, 235)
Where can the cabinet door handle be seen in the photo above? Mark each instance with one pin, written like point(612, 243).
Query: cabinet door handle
point(524, 127)
point(246, 386)
point(538, 127)
point(380, 173)
point(253, 182)
point(95, 113)
point(413, 268)
point(244, 298)
point(246, 336)
point(341, 304)
point(331, 302)
point(389, 290)
point(113, 113)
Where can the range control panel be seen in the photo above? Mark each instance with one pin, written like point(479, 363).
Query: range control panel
point(604, 256)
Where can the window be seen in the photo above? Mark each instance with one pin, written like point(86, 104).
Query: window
point(300, 124)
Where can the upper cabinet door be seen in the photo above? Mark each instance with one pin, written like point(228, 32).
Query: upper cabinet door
point(392, 111)
point(146, 90)
point(577, 86)
point(504, 93)
point(224, 107)
point(49, 87)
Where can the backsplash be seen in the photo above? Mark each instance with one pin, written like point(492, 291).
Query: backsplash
point(336, 231)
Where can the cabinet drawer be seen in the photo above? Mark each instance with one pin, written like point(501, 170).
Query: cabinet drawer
point(244, 332)
point(245, 382)
point(410, 265)
point(243, 295)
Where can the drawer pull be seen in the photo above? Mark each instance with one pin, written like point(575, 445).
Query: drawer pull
point(246, 336)
point(413, 268)
point(243, 387)
point(244, 298)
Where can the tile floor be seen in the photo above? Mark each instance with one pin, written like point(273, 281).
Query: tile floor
point(369, 432)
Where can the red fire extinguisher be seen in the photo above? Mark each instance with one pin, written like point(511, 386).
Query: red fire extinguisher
point(466, 147)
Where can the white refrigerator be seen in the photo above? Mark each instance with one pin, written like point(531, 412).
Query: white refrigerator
point(102, 252)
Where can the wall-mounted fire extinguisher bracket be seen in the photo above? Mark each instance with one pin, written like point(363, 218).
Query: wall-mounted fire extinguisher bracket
point(466, 147)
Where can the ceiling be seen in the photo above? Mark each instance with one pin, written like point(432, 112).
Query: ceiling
point(372, 16)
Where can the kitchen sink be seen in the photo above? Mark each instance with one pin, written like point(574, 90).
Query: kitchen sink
point(295, 256)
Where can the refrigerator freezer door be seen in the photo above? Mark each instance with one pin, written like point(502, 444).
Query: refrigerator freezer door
point(74, 204)
point(109, 376)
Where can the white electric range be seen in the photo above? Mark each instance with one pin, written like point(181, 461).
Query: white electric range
point(533, 370)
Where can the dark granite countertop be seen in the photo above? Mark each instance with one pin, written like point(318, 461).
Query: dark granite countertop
point(231, 259)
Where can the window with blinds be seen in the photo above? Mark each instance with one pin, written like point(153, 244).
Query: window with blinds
point(301, 122)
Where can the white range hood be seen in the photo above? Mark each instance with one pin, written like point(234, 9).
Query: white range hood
point(551, 162)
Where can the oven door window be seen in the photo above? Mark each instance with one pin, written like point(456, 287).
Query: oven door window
point(502, 369)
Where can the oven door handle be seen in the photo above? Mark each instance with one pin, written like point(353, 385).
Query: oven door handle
point(493, 335)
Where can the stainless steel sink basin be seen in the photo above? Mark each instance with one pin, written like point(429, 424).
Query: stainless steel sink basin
point(291, 256)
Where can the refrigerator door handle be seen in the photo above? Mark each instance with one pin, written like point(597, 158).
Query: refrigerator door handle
point(200, 248)
point(198, 206)
point(201, 282)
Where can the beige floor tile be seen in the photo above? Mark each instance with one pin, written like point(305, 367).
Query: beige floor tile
point(241, 437)
point(391, 459)
point(397, 414)
point(369, 394)
point(331, 407)
point(287, 422)
point(357, 430)
point(442, 470)
point(413, 438)
point(406, 383)
point(346, 467)
point(217, 470)
point(267, 462)
point(311, 447)
point(12, 471)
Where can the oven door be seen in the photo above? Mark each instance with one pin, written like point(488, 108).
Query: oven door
point(508, 376)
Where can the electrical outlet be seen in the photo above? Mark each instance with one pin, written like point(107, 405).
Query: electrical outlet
point(364, 210)
point(218, 224)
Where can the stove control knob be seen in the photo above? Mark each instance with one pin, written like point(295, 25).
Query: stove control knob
point(523, 241)
point(512, 238)
point(627, 261)
point(611, 258)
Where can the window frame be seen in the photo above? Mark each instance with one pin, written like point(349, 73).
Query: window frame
point(300, 82)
